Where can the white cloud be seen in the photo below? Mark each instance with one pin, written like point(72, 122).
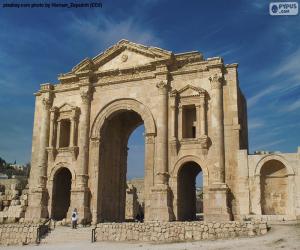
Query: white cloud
point(290, 67)
point(267, 145)
point(266, 92)
point(102, 32)
point(255, 123)
point(292, 106)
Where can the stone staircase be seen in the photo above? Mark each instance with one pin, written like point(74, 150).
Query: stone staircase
point(65, 234)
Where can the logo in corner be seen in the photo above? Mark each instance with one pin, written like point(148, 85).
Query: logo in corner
point(283, 8)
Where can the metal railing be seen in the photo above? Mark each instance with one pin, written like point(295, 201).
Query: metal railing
point(43, 229)
point(93, 235)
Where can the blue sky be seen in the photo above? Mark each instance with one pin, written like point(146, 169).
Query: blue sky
point(38, 44)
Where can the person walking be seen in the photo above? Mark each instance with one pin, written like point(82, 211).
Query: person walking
point(74, 218)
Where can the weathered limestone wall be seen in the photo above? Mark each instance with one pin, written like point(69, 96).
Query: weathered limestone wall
point(18, 234)
point(177, 231)
point(13, 203)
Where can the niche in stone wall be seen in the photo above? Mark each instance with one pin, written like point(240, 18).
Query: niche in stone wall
point(189, 121)
point(274, 188)
point(65, 133)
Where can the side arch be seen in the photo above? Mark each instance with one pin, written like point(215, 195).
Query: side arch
point(173, 181)
point(119, 105)
point(61, 165)
point(262, 161)
point(189, 158)
point(256, 200)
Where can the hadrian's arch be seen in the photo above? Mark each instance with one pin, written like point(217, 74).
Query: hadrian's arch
point(275, 186)
point(195, 119)
point(112, 128)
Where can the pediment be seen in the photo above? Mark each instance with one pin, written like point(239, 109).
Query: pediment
point(188, 91)
point(122, 55)
point(66, 107)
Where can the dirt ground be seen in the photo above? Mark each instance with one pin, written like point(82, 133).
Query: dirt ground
point(280, 236)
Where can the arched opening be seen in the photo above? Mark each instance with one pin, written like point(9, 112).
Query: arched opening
point(135, 201)
point(274, 188)
point(113, 163)
point(190, 196)
point(61, 193)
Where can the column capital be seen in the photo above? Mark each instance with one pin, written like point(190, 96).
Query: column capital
point(95, 141)
point(149, 138)
point(54, 110)
point(216, 81)
point(86, 94)
point(75, 113)
point(47, 102)
point(163, 86)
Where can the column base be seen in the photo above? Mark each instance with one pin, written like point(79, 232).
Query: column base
point(80, 200)
point(160, 208)
point(217, 208)
point(37, 205)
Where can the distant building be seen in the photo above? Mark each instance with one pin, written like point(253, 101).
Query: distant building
point(3, 176)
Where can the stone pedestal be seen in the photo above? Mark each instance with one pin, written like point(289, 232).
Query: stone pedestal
point(161, 209)
point(38, 200)
point(217, 208)
point(80, 200)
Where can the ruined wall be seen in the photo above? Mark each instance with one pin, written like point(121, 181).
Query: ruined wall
point(18, 234)
point(177, 231)
point(13, 202)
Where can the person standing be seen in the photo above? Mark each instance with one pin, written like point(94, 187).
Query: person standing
point(74, 218)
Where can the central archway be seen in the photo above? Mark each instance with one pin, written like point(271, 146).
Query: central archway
point(114, 124)
point(113, 162)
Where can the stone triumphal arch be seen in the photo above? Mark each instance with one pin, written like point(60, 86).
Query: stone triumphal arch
point(195, 121)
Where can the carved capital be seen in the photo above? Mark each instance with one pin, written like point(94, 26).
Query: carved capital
point(216, 81)
point(95, 142)
point(149, 138)
point(47, 102)
point(75, 113)
point(163, 86)
point(86, 95)
point(162, 177)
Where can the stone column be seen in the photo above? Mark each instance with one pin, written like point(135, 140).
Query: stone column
point(80, 194)
point(73, 127)
point(198, 112)
point(218, 190)
point(38, 193)
point(202, 116)
point(94, 162)
point(149, 172)
point(160, 193)
point(58, 134)
point(72, 130)
point(179, 121)
point(52, 127)
point(217, 118)
point(162, 136)
point(44, 140)
point(52, 136)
